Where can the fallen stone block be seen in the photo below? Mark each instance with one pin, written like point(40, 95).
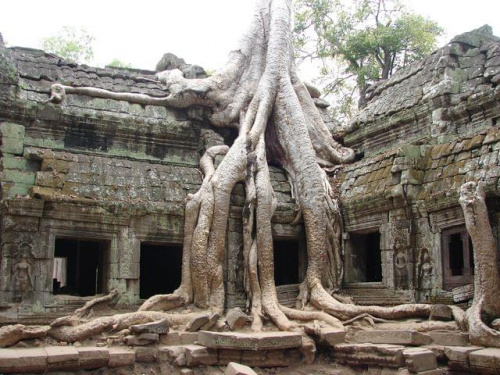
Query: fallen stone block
point(237, 369)
point(142, 339)
point(23, 360)
point(236, 319)
point(197, 355)
point(369, 354)
point(419, 359)
point(198, 322)
point(119, 357)
point(160, 327)
point(441, 312)
point(211, 322)
point(392, 337)
point(250, 341)
point(187, 371)
point(485, 361)
point(62, 358)
point(449, 338)
point(92, 357)
point(326, 336)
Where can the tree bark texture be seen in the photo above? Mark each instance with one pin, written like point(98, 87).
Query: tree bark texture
point(486, 303)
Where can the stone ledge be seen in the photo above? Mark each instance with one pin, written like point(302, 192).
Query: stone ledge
point(392, 337)
point(250, 341)
point(369, 354)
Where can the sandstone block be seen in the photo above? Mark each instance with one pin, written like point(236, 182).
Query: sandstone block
point(279, 358)
point(441, 312)
point(197, 355)
point(369, 354)
point(326, 336)
point(119, 357)
point(392, 337)
point(175, 355)
point(195, 324)
point(159, 328)
point(236, 319)
point(237, 369)
point(485, 361)
point(172, 338)
point(250, 341)
point(229, 355)
point(146, 355)
point(419, 359)
point(62, 358)
point(449, 338)
point(92, 357)
point(23, 360)
point(187, 371)
point(255, 357)
point(142, 339)
point(211, 322)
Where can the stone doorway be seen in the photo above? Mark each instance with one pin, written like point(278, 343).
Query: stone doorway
point(364, 261)
point(80, 267)
point(160, 269)
point(287, 259)
point(458, 258)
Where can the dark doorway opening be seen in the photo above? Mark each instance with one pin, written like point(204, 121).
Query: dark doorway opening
point(366, 257)
point(286, 262)
point(160, 269)
point(458, 257)
point(80, 267)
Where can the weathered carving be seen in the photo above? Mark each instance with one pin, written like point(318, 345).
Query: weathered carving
point(23, 279)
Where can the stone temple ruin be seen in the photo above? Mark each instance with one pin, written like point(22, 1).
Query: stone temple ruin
point(92, 200)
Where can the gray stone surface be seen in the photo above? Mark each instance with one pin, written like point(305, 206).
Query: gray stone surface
point(419, 359)
point(250, 341)
point(238, 369)
point(392, 337)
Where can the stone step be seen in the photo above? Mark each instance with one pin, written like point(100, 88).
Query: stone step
point(250, 341)
point(380, 296)
point(411, 338)
point(416, 360)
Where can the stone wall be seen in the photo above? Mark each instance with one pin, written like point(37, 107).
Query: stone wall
point(108, 171)
point(427, 130)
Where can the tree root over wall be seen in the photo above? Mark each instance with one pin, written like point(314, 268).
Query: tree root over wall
point(259, 94)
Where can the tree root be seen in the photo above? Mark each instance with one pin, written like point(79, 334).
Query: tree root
point(11, 335)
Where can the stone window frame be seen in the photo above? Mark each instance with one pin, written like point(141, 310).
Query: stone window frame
point(386, 263)
point(441, 221)
point(110, 237)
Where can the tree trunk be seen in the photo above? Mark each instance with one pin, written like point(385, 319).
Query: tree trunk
point(259, 94)
point(486, 303)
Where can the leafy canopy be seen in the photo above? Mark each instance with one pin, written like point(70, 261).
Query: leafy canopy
point(360, 41)
point(71, 44)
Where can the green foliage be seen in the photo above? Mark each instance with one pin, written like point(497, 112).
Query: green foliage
point(117, 63)
point(71, 44)
point(365, 41)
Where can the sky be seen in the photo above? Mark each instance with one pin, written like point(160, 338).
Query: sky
point(202, 32)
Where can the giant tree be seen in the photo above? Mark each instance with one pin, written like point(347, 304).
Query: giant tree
point(259, 95)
